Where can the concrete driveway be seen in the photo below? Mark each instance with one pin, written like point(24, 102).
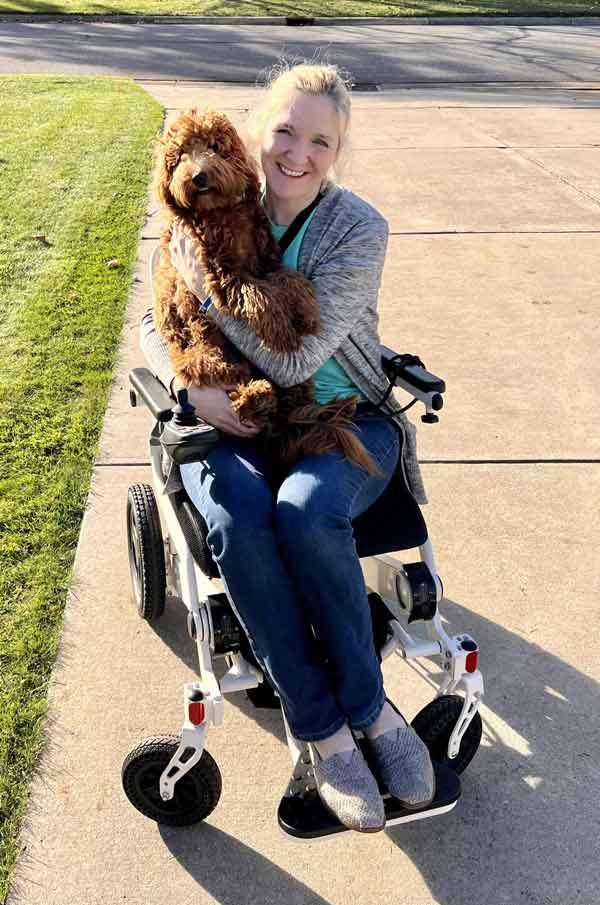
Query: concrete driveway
point(493, 201)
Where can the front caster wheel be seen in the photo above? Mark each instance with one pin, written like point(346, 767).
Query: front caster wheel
point(434, 725)
point(146, 552)
point(196, 794)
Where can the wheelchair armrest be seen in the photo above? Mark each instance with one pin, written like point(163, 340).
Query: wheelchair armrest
point(414, 375)
point(152, 392)
point(416, 380)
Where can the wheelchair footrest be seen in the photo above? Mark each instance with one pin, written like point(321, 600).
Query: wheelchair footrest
point(303, 815)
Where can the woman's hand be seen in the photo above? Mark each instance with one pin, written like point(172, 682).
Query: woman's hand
point(184, 251)
point(213, 405)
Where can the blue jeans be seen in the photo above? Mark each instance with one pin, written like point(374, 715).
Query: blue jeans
point(288, 561)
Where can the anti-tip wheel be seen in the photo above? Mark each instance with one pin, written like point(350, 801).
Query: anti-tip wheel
point(196, 794)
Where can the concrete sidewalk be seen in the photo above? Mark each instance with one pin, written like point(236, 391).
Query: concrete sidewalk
point(494, 207)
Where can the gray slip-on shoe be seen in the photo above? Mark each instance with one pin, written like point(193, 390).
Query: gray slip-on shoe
point(404, 765)
point(349, 790)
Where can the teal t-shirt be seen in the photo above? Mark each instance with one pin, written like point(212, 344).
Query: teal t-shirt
point(331, 381)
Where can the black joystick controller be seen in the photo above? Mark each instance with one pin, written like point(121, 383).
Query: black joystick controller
point(186, 438)
point(184, 413)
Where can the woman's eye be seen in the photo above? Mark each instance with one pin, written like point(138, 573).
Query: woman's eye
point(317, 141)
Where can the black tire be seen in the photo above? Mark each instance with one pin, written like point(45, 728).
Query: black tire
point(264, 696)
point(196, 795)
point(434, 725)
point(146, 552)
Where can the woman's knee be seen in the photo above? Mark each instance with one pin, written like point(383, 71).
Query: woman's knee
point(307, 520)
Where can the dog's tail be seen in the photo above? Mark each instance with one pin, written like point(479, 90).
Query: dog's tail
point(315, 429)
point(354, 450)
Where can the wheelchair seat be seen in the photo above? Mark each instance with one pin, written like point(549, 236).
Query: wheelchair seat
point(393, 522)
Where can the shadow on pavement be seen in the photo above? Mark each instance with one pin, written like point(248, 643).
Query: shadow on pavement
point(231, 872)
point(526, 814)
point(526, 800)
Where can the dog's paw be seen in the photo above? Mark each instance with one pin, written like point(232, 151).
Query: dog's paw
point(255, 402)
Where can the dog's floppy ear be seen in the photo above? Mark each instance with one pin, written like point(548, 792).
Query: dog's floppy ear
point(245, 163)
point(169, 156)
point(266, 246)
point(264, 241)
point(253, 190)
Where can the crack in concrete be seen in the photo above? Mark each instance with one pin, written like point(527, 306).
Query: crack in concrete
point(580, 191)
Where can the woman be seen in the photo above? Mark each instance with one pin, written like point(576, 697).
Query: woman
point(288, 558)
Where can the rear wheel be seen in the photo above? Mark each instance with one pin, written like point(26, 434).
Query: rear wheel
point(146, 552)
point(434, 725)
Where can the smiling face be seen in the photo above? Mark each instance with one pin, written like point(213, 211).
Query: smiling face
point(299, 146)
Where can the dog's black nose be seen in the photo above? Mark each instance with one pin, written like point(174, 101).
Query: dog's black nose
point(199, 180)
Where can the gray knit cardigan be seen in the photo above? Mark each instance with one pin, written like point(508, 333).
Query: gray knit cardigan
point(342, 254)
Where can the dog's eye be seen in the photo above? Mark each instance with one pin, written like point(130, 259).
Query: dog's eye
point(214, 147)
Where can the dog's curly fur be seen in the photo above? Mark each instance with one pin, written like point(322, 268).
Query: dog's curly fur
point(208, 183)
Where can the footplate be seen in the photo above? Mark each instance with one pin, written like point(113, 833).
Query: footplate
point(303, 815)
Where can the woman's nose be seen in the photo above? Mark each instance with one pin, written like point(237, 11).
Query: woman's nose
point(295, 164)
point(297, 153)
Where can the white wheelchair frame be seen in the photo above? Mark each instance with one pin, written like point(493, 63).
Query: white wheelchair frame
point(185, 580)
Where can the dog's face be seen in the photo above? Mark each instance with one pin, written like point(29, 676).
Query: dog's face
point(204, 164)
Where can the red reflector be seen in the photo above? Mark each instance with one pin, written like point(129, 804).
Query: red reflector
point(471, 661)
point(196, 712)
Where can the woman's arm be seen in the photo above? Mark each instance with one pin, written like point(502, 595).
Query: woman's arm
point(211, 403)
point(346, 284)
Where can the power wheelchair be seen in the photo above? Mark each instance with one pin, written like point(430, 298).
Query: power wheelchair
point(174, 780)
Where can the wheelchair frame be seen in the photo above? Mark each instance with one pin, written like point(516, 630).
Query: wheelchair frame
point(203, 700)
point(186, 580)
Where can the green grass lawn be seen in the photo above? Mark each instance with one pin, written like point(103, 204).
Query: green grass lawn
point(74, 164)
point(308, 7)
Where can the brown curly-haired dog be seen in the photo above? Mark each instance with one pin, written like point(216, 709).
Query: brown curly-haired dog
point(209, 184)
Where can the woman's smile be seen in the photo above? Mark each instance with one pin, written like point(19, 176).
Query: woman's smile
point(295, 174)
point(289, 172)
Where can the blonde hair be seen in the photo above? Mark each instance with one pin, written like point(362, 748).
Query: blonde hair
point(316, 79)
